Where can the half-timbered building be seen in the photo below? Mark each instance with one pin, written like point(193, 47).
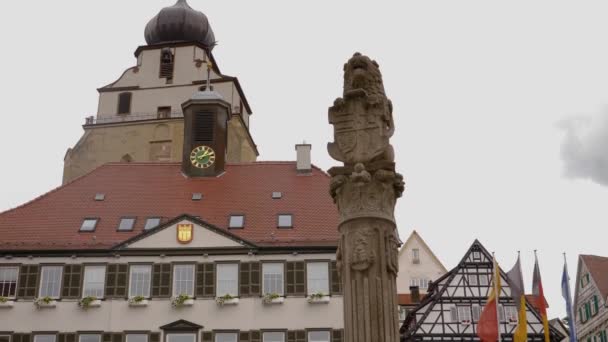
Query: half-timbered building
point(452, 307)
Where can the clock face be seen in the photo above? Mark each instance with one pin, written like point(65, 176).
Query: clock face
point(202, 157)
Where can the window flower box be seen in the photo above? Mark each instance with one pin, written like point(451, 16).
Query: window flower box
point(227, 300)
point(138, 301)
point(6, 303)
point(45, 303)
point(318, 298)
point(89, 302)
point(273, 298)
point(182, 300)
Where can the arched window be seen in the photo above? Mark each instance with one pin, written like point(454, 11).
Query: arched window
point(166, 64)
point(124, 103)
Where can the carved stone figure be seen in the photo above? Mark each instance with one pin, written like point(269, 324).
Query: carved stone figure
point(365, 190)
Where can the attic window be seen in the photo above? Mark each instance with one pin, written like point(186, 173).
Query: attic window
point(124, 103)
point(236, 221)
point(285, 221)
point(476, 255)
point(152, 222)
point(197, 196)
point(126, 224)
point(277, 195)
point(100, 197)
point(88, 225)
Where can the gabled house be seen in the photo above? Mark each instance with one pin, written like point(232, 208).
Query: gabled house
point(451, 309)
point(418, 267)
point(590, 298)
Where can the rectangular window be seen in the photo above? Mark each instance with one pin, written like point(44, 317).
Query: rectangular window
point(136, 338)
point(236, 221)
point(8, 281)
point(126, 224)
point(318, 336)
point(464, 314)
point(285, 221)
point(226, 337)
point(272, 278)
point(414, 282)
point(227, 279)
point(44, 338)
point(476, 255)
point(181, 337)
point(472, 279)
point(164, 112)
point(317, 277)
point(402, 313)
point(152, 222)
point(50, 281)
point(139, 281)
point(94, 281)
point(511, 314)
point(476, 312)
point(415, 256)
point(483, 280)
point(88, 225)
point(124, 103)
point(273, 336)
point(183, 280)
point(89, 338)
point(594, 305)
point(424, 283)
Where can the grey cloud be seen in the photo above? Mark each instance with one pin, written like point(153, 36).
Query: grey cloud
point(584, 149)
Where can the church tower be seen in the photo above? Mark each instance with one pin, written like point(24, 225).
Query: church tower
point(205, 118)
point(140, 117)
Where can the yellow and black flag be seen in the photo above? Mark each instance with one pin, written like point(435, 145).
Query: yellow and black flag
point(516, 284)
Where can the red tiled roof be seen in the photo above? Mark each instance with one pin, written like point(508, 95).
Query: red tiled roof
point(532, 299)
point(52, 221)
point(598, 267)
point(406, 298)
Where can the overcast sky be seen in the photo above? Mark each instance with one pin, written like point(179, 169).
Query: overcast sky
point(498, 106)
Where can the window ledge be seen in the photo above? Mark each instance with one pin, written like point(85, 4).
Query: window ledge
point(279, 300)
point(139, 304)
point(7, 305)
point(43, 305)
point(318, 300)
point(222, 302)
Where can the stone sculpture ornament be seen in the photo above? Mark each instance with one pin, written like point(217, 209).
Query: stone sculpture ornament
point(365, 189)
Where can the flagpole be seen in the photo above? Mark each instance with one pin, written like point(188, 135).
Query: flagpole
point(571, 325)
point(497, 297)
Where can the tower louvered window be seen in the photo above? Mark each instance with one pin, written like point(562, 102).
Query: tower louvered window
point(166, 64)
point(204, 126)
point(124, 103)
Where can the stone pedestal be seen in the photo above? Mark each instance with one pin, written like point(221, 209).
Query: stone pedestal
point(365, 190)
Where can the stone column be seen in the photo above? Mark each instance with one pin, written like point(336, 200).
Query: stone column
point(365, 190)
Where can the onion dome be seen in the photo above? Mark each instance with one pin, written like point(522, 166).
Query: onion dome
point(179, 23)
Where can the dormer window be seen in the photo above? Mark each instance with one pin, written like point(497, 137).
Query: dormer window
point(166, 64)
point(285, 221)
point(236, 221)
point(124, 103)
point(89, 224)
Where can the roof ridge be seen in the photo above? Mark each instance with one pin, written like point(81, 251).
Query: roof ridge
point(56, 189)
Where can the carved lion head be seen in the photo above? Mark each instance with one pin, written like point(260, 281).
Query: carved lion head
point(360, 72)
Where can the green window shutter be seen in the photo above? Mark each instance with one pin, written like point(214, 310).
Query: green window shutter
point(244, 336)
point(336, 282)
point(255, 278)
point(255, 335)
point(28, 281)
point(595, 305)
point(244, 279)
point(205, 280)
point(155, 337)
point(295, 272)
point(117, 276)
point(207, 336)
point(587, 310)
point(337, 335)
point(161, 280)
point(72, 277)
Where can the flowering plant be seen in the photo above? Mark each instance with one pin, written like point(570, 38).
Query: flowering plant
point(85, 302)
point(40, 301)
point(223, 299)
point(314, 296)
point(270, 297)
point(3, 299)
point(178, 301)
point(136, 299)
